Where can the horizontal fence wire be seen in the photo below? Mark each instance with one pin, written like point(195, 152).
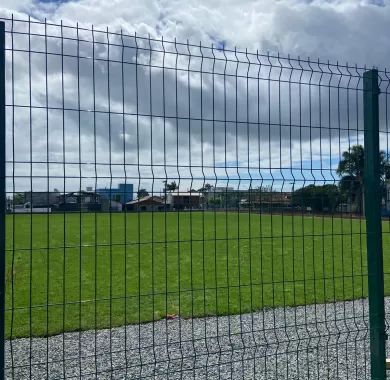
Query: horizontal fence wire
point(177, 210)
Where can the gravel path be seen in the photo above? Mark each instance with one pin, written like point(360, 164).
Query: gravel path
point(323, 341)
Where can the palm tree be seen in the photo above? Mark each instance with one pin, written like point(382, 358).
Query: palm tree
point(169, 187)
point(351, 171)
point(206, 188)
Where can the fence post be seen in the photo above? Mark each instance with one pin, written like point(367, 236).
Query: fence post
point(372, 201)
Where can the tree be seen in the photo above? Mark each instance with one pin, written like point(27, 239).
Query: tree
point(141, 193)
point(18, 199)
point(206, 188)
point(170, 186)
point(351, 171)
point(318, 198)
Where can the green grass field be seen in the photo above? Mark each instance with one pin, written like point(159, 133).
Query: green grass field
point(135, 268)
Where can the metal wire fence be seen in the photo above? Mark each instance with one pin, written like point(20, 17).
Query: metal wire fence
point(177, 210)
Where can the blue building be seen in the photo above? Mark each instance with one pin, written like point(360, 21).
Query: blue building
point(122, 194)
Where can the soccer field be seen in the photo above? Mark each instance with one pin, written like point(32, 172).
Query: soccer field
point(81, 271)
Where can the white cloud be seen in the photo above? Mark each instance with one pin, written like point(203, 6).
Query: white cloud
point(337, 30)
point(344, 30)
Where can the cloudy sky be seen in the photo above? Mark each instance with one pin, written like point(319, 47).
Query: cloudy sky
point(246, 118)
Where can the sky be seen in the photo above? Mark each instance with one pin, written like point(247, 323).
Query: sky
point(234, 149)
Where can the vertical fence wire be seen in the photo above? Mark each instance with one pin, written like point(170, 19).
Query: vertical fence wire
point(182, 211)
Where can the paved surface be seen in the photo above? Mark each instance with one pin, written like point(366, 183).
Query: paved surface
point(323, 341)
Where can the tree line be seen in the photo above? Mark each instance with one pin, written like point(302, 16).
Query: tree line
point(350, 188)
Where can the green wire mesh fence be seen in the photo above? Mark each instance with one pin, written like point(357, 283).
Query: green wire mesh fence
point(177, 210)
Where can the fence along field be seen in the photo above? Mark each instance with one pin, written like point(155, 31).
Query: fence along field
point(92, 109)
point(221, 271)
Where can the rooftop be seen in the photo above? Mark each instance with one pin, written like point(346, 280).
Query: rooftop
point(152, 198)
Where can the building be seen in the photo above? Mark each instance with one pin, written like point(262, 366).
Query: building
point(110, 206)
point(230, 198)
point(220, 189)
point(269, 200)
point(148, 203)
point(39, 199)
point(222, 197)
point(347, 208)
point(79, 201)
point(179, 200)
point(122, 194)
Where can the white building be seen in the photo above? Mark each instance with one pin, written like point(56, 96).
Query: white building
point(179, 200)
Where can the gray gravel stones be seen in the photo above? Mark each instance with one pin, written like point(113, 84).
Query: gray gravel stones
point(328, 341)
